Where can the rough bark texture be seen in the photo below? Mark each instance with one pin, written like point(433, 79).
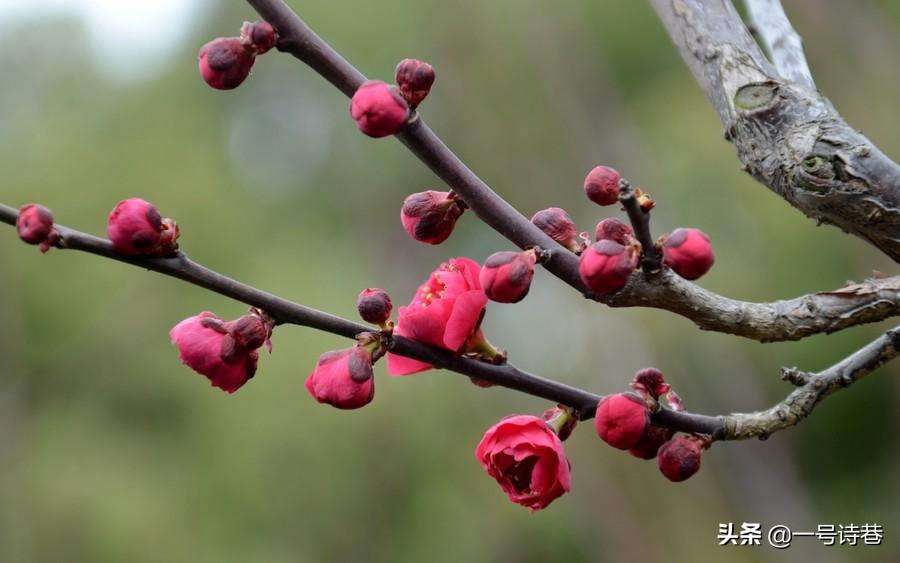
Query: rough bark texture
point(788, 137)
point(782, 42)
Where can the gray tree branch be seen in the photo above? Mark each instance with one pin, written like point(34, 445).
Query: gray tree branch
point(782, 42)
point(788, 137)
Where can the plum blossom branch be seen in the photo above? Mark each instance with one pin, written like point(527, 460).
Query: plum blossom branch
point(782, 42)
point(768, 322)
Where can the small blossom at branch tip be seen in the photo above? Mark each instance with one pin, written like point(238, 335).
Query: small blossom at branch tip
point(378, 109)
point(688, 252)
point(606, 265)
point(651, 440)
point(615, 230)
point(679, 458)
point(621, 420)
point(135, 227)
point(557, 224)
point(343, 379)
point(223, 351)
point(506, 276)
point(374, 306)
point(414, 79)
point(35, 226)
point(431, 216)
point(259, 36)
point(226, 62)
point(527, 459)
point(446, 312)
point(601, 185)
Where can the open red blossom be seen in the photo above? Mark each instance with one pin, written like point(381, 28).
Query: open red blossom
point(527, 459)
point(136, 227)
point(601, 185)
point(343, 378)
point(679, 458)
point(506, 276)
point(414, 78)
point(378, 109)
point(224, 351)
point(430, 216)
point(557, 224)
point(621, 420)
point(226, 62)
point(445, 312)
point(606, 265)
point(35, 226)
point(615, 230)
point(688, 252)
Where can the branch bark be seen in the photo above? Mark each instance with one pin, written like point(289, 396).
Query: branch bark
point(782, 42)
point(768, 322)
point(788, 137)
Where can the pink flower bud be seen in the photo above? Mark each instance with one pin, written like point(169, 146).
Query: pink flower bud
point(506, 276)
point(260, 36)
point(679, 458)
point(35, 226)
point(688, 252)
point(651, 440)
point(606, 265)
point(621, 420)
point(613, 229)
point(136, 227)
point(557, 224)
point(414, 78)
point(225, 352)
point(374, 306)
point(601, 185)
point(226, 62)
point(650, 381)
point(430, 216)
point(378, 109)
point(343, 378)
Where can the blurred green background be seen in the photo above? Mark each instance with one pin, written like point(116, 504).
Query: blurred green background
point(111, 450)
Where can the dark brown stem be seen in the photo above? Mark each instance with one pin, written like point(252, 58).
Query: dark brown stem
point(767, 322)
point(651, 261)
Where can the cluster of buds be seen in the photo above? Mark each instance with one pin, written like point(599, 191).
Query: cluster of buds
point(226, 352)
point(624, 421)
point(226, 62)
point(381, 109)
point(35, 226)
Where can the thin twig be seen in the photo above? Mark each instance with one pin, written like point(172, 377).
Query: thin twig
point(781, 41)
point(767, 322)
point(651, 262)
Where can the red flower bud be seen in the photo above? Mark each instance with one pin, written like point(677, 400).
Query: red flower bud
point(679, 458)
point(343, 378)
point(414, 78)
point(136, 227)
point(260, 36)
point(557, 224)
point(601, 185)
point(225, 352)
point(374, 306)
point(506, 276)
point(226, 62)
point(606, 266)
point(613, 229)
point(650, 442)
point(35, 226)
point(378, 109)
point(688, 252)
point(621, 420)
point(430, 216)
point(650, 381)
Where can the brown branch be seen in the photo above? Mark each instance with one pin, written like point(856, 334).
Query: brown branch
point(781, 320)
point(651, 262)
point(788, 136)
point(782, 42)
